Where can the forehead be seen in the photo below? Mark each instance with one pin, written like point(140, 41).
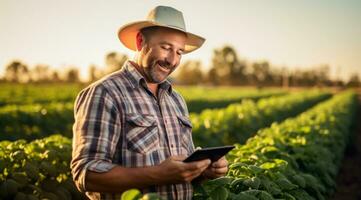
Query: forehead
point(171, 36)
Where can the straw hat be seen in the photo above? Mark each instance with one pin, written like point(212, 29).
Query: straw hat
point(160, 16)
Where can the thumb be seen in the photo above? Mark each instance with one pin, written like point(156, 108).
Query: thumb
point(178, 157)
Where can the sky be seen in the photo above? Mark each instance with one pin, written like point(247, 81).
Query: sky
point(296, 34)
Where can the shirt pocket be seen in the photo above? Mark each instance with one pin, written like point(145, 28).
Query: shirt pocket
point(142, 133)
point(186, 133)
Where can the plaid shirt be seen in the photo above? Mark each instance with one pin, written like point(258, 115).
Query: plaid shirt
point(118, 121)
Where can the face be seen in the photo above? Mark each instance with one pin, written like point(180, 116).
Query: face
point(160, 54)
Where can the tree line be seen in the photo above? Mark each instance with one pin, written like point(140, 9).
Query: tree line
point(226, 69)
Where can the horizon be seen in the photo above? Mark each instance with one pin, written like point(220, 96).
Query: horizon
point(292, 34)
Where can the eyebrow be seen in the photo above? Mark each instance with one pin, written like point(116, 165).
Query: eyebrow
point(167, 43)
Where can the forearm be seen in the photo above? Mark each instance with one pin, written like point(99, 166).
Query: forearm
point(120, 179)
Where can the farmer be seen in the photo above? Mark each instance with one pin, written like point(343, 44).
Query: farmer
point(132, 129)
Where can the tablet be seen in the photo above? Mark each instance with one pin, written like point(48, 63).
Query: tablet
point(212, 153)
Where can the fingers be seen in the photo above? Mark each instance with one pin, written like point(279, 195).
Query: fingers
point(190, 175)
point(222, 162)
point(189, 171)
point(222, 170)
point(220, 167)
point(198, 164)
point(217, 169)
point(194, 169)
point(178, 171)
point(178, 157)
point(215, 172)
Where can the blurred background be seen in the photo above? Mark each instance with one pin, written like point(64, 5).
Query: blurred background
point(279, 69)
point(253, 43)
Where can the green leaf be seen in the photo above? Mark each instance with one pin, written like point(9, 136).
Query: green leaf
point(282, 164)
point(151, 196)
point(237, 185)
point(274, 189)
point(237, 164)
point(311, 181)
point(270, 186)
point(220, 193)
point(265, 196)
point(255, 169)
point(269, 149)
point(299, 180)
point(221, 181)
point(268, 165)
point(242, 196)
point(300, 194)
point(132, 194)
point(252, 182)
point(254, 193)
point(287, 196)
point(285, 184)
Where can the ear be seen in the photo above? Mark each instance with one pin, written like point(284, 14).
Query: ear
point(139, 41)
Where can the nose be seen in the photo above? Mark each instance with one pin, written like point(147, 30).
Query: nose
point(172, 58)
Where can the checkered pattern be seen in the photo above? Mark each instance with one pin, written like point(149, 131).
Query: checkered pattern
point(118, 121)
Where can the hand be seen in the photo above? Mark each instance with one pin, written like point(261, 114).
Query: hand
point(174, 170)
point(217, 169)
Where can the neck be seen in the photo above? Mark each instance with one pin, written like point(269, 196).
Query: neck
point(152, 86)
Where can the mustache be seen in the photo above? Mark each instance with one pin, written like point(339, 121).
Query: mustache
point(165, 64)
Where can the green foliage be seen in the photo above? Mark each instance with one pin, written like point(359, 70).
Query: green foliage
point(296, 159)
point(131, 194)
point(35, 121)
point(201, 98)
point(237, 122)
point(37, 170)
point(34, 111)
point(21, 94)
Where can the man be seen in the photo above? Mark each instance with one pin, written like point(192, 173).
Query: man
point(132, 129)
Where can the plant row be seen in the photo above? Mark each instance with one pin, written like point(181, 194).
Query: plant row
point(238, 122)
point(296, 159)
point(33, 121)
point(37, 170)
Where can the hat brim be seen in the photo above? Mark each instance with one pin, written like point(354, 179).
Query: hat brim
point(127, 35)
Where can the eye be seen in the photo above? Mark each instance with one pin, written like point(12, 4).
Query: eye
point(165, 47)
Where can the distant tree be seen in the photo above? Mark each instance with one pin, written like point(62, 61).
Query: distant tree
point(41, 73)
point(92, 73)
point(72, 75)
point(16, 71)
point(212, 77)
point(261, 73)
point(190, 73)
point(354, 81)
point(226, 68)
point(114, 61)
point(322, 74)
point(55, 77)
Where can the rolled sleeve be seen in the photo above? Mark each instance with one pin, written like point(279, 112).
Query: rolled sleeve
point(96, 133)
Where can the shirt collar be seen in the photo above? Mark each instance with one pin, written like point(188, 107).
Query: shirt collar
point(137, 79)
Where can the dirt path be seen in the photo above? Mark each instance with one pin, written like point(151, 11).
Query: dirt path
point(349, 178)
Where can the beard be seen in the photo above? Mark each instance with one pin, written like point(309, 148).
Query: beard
point(158, 71)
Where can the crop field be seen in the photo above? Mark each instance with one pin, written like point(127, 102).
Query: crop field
point(291, 145)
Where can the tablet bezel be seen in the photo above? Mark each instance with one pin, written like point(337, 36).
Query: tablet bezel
point(212, 153)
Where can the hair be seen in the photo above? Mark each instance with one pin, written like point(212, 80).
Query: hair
point(148, 31)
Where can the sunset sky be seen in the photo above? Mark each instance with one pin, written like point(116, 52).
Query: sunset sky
point(302, 33)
